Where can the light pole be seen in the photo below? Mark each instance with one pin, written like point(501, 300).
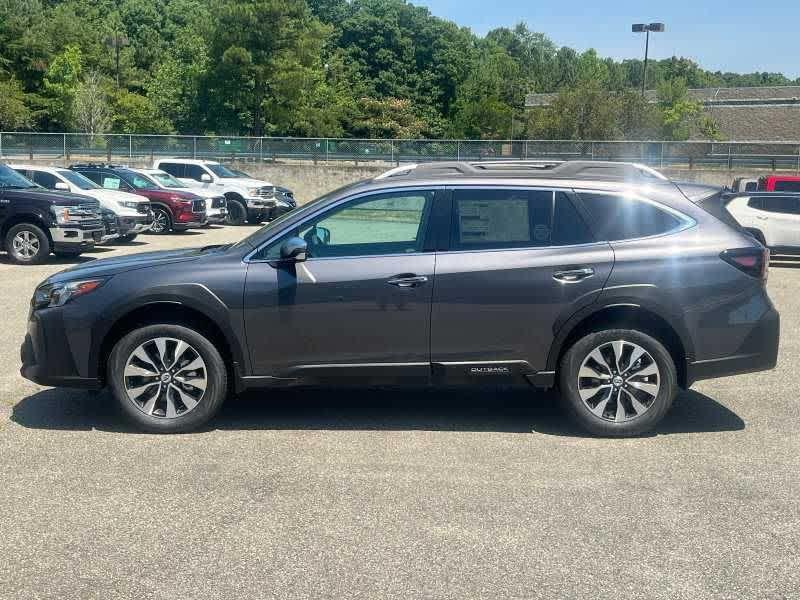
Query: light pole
point(646, 28)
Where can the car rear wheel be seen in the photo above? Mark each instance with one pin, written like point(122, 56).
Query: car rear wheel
point(237, 213)
point(162, 221)
point(617, 383)
point(27, 244)
point(167, 378)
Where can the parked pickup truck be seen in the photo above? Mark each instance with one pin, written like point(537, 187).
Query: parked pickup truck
point(248, 199)
point(35, 222)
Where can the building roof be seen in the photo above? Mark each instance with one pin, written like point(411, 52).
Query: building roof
point(739, 96)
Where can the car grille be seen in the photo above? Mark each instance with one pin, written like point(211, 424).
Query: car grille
point(267, 191)
point(198, 206)
point(218, 202)
point(143, 208)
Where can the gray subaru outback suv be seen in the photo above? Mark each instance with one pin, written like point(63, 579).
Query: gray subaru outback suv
point(605, 280)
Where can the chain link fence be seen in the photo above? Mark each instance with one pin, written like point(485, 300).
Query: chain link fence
point(71, 147)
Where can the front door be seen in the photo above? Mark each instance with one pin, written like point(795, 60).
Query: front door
point(518, 261)
point(360, 304)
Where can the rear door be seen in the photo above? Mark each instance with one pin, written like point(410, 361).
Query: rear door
point(782, 220)
point(519, 260)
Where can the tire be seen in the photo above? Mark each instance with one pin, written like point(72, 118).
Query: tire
point(145, 399)
point(27, 244)
point(126, 239)
point(656, 373)
point(162, 221)
point(237, 213)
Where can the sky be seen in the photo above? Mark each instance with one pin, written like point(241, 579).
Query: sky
point(738, 36)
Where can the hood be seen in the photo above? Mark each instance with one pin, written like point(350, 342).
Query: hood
point(202, 192)
point(106, 267)
point(57, 197)
point(114, 195)
point(246, 182)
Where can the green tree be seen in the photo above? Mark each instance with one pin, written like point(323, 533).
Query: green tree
point(14, 113)
point(61, 83)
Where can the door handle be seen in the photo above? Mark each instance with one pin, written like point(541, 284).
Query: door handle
point(408, 281)
point(761, 218)
point(573, 275)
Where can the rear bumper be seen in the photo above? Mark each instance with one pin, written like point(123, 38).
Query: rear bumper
point(758, 353)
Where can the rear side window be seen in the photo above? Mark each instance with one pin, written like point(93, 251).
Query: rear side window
point(515, 218)
point(788, 205)
point(616, 218)
point(787, 186)
point(174, 169)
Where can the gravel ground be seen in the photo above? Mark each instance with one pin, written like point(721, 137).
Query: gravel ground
point(397, 493)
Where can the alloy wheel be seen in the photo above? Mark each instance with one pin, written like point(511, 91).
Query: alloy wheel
point(26, 245)
point(619, 381)
point(160, 222)
point(165, 377)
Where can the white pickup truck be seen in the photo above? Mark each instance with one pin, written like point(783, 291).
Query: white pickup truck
point(247, 199)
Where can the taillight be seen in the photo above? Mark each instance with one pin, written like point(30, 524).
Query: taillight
point(753, 261)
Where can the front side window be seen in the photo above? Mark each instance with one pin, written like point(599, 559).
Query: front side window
point(383, 224)
point(615, 218)
point(166, 180)
point(140, 182)
point(195, 172)
point(10, 179)
point(222, 171)
point(46, 180)
point(111, 182)
point(515, 218)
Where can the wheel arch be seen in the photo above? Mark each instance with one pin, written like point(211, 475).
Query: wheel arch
point(626, 316)
point(174, 313)
point(29, 218)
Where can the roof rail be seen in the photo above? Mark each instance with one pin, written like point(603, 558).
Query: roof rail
point(551, 169)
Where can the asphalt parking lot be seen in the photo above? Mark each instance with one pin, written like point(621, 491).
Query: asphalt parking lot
point(397, 493)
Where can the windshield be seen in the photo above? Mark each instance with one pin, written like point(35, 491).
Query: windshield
point(240, 173)
point(166, 180)
point(222, 171)
point(9, 178)
point(78, 180)
point(141, 182)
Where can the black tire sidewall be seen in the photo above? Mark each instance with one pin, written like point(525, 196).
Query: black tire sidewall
point(579, 412)
point(211, 401)
point(237, 213)
point(44, 244)
point(168, 228)
point(129, 237)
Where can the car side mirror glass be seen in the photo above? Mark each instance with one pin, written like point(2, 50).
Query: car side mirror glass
point(205, 178)
point(60, 185)
point(295, 249)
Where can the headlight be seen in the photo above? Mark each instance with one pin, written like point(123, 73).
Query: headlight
point(253, 191)
point(133, 205)
point(58, 294)
point(62, 216)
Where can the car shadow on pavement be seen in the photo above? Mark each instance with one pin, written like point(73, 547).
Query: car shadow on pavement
point(504, 410)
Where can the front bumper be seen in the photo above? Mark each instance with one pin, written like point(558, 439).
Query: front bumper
point(759, 352)
point(257, 203)
point(137, 224)
point(216, 215)
point(47, 352)
point(71, 237)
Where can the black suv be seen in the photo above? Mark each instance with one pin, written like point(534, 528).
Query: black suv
point(604, 279)
point(35, 222)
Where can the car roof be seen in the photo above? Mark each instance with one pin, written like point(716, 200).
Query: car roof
point(45, 168)
point(781, 178)
point(188, 161)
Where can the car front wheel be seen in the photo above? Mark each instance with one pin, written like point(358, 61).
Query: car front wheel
point(27, 244)
point(167, 378)
point(162, 221)
point(617, 383)
point(237, 213)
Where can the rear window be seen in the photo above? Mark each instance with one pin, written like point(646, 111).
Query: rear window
point(616, 218)
point(717, 206)
point(787, 186)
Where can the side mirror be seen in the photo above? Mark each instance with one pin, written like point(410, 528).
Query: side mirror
point(60, 185)
point(295, 249)
point(205, 178)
